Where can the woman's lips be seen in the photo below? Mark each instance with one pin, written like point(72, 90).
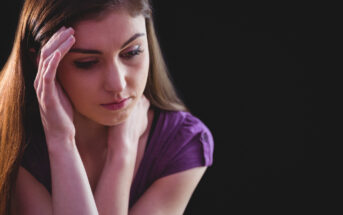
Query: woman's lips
point(116, 105)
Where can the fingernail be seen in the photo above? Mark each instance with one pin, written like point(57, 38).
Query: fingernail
point(71, 39)
point(70, 29)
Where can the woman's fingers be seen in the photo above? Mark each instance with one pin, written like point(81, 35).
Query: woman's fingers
point(46, 45)
point(50, 68)
point(54, 42)
point(49, 64)
point(39, 73)
point(66, 45)
point(48, 80)
point(58, 32)
point(55, 108)
point(62, 50)
point(47, 50)
point(39, 57)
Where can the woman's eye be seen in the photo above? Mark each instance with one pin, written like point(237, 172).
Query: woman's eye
point(85, 64)
point(132, 53)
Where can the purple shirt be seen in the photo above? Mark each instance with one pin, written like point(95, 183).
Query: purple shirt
point(177, 141)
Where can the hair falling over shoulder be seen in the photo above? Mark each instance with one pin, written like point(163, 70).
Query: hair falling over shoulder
point(18, 103)
point(12, 91)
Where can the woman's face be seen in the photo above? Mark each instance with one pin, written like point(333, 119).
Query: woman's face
point(105, 72)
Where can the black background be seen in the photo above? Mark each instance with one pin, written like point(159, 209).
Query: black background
point(247, 72)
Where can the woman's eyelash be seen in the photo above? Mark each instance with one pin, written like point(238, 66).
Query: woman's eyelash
point(132, 53)
point(89, 64)
point(85, 64)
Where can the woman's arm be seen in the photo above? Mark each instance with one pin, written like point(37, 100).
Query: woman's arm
point(113, 189)
point(166, 196)
point(71, 191)
point(169, 195)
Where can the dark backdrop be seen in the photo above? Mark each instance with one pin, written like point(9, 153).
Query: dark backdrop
point(245, 71)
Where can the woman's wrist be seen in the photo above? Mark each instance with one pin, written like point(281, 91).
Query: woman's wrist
point(122, 152)
point(60, 144)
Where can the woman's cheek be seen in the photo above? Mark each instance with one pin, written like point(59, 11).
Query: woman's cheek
point(75, 84)
point(144, 66)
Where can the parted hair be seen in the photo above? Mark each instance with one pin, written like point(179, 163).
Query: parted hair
point(19, 109)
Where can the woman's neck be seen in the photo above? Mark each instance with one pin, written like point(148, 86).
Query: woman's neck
point(90, 136)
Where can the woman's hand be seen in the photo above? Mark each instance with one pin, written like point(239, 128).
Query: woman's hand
point(129, 132)
point(113, 189)
point(55, 108)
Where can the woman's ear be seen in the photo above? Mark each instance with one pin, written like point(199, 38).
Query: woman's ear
point(34, 56)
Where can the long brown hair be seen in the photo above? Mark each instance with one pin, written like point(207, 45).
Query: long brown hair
point(19, 110)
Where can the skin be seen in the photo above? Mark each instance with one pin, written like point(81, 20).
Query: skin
point(79, 131)
point(114, 74)
point(118, 72)
point(71, 96)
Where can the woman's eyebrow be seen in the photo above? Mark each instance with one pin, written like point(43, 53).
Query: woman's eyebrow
point(85, 51)
point(93, 51)
point(135, 36)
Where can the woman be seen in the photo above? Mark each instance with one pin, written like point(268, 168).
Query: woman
point(90, 122)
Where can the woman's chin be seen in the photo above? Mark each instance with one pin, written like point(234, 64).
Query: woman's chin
point(115, 119)
point(119, 116)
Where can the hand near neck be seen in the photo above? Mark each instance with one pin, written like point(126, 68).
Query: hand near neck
point(125, 145)
point(127, 134)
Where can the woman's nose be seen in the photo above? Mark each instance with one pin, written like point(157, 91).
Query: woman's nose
point(115, 79)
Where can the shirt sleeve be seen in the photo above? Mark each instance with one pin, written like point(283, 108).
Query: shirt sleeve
point(191, 146)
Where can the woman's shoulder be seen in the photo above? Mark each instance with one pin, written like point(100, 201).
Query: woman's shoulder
point(182, 121)
point(182, 135)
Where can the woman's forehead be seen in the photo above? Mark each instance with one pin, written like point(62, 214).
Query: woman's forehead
point(116, 19)
point(112, 29)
